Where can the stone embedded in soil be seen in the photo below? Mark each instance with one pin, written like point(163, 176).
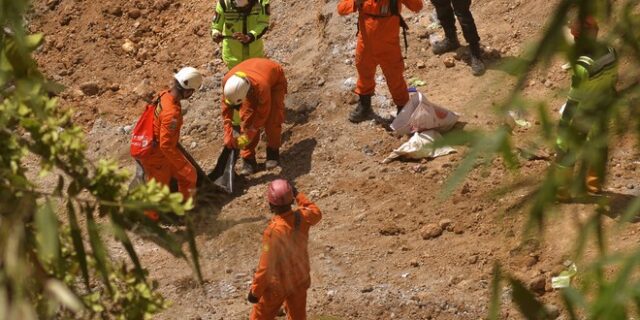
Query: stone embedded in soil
point(128, 46)
point(537, 284)
point(391, 230)
point(367, 289)
point(430, 231)
point(414, 263)
point(134, 13)
point(446, 224)
point(420, 64)
point(90, 88)
point(449, 62)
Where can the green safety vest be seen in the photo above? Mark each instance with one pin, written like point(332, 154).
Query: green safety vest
point(593, 78)
point(228, 20)
point(593, 83)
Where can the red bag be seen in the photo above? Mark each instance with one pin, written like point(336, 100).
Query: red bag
point(142, 140)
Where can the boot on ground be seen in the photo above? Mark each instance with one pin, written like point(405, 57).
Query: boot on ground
point(363, 110)
point(477, 66)
point(446, 45)
point(249, 166)
point(273, 158)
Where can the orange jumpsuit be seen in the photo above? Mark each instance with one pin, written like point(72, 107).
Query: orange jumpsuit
point(263, 107)
point(379, 44)
point(166, 161)
point(283, 271)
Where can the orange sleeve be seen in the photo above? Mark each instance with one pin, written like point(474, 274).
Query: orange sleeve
point(310, 212)
point(346, 7)
point(170, 122)
point(256, 113)
point(264, 270)
point(413, 5)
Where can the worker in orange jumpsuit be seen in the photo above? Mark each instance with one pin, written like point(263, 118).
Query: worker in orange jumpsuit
point(282, 275)
point(378, 44)
point(166, 161)
point(256, 88)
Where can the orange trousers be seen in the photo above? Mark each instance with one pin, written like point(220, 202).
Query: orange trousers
point(163, 172)
point(389, 58)
point(295, 304)
point(272, 126)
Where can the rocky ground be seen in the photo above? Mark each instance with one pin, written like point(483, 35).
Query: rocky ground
point(389, 245)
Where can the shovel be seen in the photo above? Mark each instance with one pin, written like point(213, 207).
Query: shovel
point(223, 175)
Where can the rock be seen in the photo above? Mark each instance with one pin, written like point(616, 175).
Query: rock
point(420, 64)
point(553, 312)
point(414, 263)
point(458, 229)
point(630, 186)
point(193, 145)
point(446, 224)
point(349, 84)
point(391, 230)
point(466, 189)
point(430, 231)
point(52, 4)
point(116, 11)
point(134, 13)
point(530, 261)
point(127, 129)
point(367, 289)
point(449, 62)
point(472, 259)
point(537, 285)
point(128, 46)
point(90, 88)
point(321, 82)
point(161, 5)
point(64, 21)
point(114, 87)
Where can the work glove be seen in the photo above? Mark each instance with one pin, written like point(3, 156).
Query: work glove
point(251, 298)
point(242, 141)
point(217, 36)
point(243, 38)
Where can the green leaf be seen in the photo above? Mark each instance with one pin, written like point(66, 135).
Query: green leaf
point(47, 234)
point(121, 235)
point(78, 245)
point(529, 306)
point(194, 250)
point(97, 246)
point(494, 308)
point(63, 294)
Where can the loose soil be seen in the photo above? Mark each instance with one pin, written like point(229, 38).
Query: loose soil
point(369, 259)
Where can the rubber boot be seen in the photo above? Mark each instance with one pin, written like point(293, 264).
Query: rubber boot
point(249, 166)
point(564, 176)
point(593, 182)
point(363, 110)
point(477, 65)
point(273, 158)
point(446, 45)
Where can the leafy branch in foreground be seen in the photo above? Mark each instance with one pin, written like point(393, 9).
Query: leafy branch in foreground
point(596, 296)
point(54, 260)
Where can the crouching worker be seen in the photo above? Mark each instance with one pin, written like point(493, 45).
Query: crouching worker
point(165, 161)
point(282, 275)
point(256, 88)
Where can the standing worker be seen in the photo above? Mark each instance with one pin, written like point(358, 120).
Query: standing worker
point(379, 24)
point(282, 275)
point(256, 88)
point(586, 114)
point(165, 160)
point(445, 9)
point(240, 25)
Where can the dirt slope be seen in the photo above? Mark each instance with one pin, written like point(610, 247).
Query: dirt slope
point(369, 259)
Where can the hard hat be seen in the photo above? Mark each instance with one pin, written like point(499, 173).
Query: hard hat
point(237, 3)
point(279, 193)
point(589, 23)
point(189, 78)
point(236, 88)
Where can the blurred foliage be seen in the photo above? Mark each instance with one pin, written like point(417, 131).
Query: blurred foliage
point(593, 295)
point(53, 257)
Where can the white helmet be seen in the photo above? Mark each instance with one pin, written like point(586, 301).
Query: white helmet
point(189, 78)
point(237, 3)
point(236, 88)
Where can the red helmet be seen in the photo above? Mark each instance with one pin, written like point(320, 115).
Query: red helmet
point(588, 24)
point(279, 193)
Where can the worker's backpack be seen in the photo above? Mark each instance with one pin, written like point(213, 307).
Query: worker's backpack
point(142, 139)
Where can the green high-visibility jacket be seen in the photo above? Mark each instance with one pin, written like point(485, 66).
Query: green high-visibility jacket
point(593, 86)
point(229, 19)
